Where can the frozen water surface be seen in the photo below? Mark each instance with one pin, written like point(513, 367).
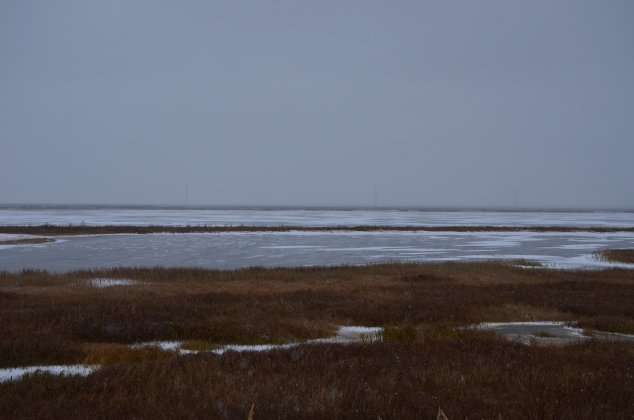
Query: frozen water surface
point(547, 332)
point(298, 217)
point(236, 250)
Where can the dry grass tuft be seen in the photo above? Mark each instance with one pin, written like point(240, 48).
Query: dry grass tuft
point(616, 255)
point(198, 345)
point(407, 332)
point(119, 354)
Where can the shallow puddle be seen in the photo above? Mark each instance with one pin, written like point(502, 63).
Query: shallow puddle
point(548, 332)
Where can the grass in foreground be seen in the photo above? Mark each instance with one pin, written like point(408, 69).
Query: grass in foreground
point(469, 377)
point(424, 361)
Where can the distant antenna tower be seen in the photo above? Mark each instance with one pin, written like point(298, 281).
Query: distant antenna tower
point(515, 198)
point(186, 198)
point(374, 196)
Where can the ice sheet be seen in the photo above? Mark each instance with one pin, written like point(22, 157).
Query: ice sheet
point(308, 217)
point(237, 250)
point(547, 332)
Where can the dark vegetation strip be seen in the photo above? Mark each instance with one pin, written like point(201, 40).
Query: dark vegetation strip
point(468, 377)
point(616, 255)
point(69, 230)
point(27, 241)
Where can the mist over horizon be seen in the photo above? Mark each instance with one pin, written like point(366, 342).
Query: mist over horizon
point(493, 105)
point(295, 208)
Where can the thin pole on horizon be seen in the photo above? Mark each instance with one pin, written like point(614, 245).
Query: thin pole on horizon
point(374, 196)
point(515, 198)
point(186, 198)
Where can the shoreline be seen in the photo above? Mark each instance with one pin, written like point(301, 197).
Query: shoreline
point(73, 230)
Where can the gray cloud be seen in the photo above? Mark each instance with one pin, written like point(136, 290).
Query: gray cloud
point(317, 103)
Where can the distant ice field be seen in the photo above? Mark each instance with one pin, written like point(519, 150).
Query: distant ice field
point(235, 250)
point(253, 217)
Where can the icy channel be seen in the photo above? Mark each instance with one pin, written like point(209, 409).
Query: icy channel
point(350, 334)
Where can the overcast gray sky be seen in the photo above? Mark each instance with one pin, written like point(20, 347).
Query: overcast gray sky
point(317, 103)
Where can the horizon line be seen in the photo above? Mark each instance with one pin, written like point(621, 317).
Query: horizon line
point(5, 206)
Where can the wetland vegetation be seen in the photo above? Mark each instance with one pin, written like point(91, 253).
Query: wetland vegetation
point(425, 358)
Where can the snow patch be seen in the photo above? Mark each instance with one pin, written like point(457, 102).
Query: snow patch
point(12, 374)
point(487, 325)
point(105, 282)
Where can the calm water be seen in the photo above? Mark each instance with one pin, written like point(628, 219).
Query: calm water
point(233, 250)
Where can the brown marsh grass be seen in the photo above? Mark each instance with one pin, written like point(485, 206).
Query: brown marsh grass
point(425, 360)
point(469, 377)
point(49, 318)
point(616, 255)
point(114, 354)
